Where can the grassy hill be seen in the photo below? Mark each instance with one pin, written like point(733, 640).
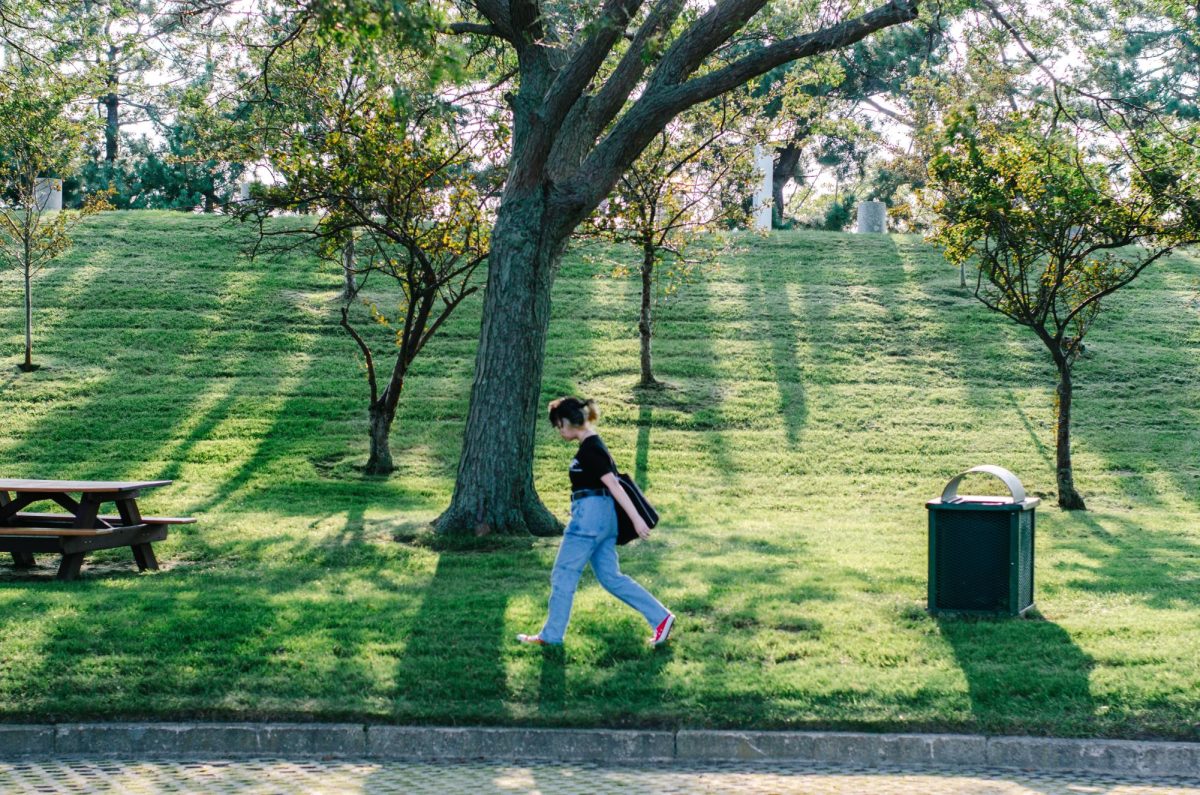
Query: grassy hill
point(822, 387)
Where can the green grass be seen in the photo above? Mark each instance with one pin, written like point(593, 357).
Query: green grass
point(823, 386)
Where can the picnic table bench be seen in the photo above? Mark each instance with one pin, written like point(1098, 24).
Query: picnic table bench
point(82, 529)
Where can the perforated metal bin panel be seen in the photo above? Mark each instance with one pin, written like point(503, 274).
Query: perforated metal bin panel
point(970, 557)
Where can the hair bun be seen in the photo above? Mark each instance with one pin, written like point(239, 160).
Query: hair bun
point(573, 410)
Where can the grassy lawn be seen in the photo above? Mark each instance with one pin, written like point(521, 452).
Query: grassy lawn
point(823, 386)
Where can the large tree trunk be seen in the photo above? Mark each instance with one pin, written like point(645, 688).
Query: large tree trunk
point(555, 158)
point(494, 490)
point(645, 329)
point(1068, 497)
point(381, 417)
point(783, 173)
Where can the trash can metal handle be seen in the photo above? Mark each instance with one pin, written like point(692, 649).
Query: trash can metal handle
point(1014, 485)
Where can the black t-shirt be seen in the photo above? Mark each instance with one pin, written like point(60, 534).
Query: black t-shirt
point(591, 462)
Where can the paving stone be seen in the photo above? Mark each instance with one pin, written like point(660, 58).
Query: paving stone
point(265, 776)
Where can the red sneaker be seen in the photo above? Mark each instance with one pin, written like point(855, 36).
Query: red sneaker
point(536, 640)
point(663, 631)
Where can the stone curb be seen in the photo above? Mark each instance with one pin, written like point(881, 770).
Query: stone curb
point(1129, 757)
point(567, 745)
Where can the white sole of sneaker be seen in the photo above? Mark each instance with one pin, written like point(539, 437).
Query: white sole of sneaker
point(666, 631)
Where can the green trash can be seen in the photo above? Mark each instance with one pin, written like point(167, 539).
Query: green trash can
point(981, 549)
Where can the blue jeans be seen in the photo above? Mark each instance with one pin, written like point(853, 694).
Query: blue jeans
point(591, 536)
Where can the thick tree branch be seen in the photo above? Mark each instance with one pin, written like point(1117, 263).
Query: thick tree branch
point(662, 101)
point(475, 28)
point(703, 38)
point(497, 13)
point(526, 21)
point(825, 40)
point(620, 84)
point(570, 83)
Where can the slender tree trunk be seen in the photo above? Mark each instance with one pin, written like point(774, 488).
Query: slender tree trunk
point(1068, 497)
point(645, 327)
point(784, 172)
point(494, 490)
point(350, 287)
point(381, 417)
point(111, 128)
point(28, 364)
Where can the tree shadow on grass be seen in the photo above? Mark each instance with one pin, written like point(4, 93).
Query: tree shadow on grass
point(1024, 676)
point(774, 304)
point(641, 459)
point(1126, 557)
point(1136, 386)
point(711, 418)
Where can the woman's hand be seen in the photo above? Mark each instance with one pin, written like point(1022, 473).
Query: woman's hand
point(624, 504)
point(640, 527)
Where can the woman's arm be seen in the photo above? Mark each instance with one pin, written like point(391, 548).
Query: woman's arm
point(618, 491)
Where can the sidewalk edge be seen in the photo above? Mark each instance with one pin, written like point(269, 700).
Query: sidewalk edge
point(374, 741)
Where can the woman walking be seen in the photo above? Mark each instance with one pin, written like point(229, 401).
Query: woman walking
point(591, 535)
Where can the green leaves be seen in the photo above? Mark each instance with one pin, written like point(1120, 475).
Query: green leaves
point(1057, 219)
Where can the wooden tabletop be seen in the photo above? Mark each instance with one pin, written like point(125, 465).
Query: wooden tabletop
point(81, 486)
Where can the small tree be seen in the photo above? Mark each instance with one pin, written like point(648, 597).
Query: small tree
point(392, 175)
point(1056, 226)
point(693, 178)
point(37, 139)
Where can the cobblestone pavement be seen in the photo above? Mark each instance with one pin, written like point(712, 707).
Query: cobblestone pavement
point(269, 776)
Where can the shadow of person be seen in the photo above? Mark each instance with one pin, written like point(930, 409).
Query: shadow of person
point(1022, 674)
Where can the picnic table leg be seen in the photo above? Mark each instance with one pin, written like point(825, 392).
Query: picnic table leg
point(85, 519)
point(142, 553)
point(23, 560)
point(69, 568)
point(144, 556)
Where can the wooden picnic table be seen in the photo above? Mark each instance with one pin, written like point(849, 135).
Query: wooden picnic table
point(82, 528)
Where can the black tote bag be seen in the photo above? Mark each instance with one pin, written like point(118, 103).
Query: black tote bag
point(625, 531)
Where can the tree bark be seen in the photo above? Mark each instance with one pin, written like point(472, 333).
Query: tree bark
point(350, 287)
point(381, 418)
point(1068, 498)
point(645, 329)
point(111, 128)
point(112, 107)
point(28, 364)
point(783, 173)
point(494, 491)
